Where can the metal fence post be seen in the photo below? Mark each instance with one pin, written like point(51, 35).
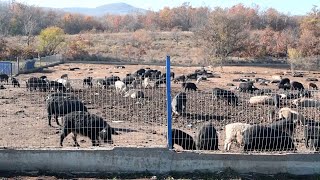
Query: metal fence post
point(11, 69)
point(39, 60)
point(18, 65)
point(168, 94)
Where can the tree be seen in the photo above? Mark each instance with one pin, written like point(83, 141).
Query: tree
point(50, 39)
point(48, 18)
point(309, 42)
point(166, 18)
point(199, 18)
point(5, 17)
point(182, 16)
point(248, 15)
point(71, 23)
point(253, 47)
point(151, 20)
point(294, 58)
point(131, 23)
point(223, 34)
point(29, 22)
point(116, 23)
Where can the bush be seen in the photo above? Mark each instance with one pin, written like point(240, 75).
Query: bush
point(76, 49)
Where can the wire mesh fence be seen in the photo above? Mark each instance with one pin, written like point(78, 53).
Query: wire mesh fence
point(225, 121)
point(48, 60)
point(29, 113)
point(132, 111)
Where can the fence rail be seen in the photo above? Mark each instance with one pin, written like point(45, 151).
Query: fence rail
point(151, 114)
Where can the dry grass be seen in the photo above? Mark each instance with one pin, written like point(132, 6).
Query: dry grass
point(122, 46)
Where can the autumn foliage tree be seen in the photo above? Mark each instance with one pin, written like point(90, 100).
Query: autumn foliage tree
point(274, 43)
point(248, 15)
point(309, 42)
point(223, 34)
point(150, 20)
point(166, 18)
point(50, 39)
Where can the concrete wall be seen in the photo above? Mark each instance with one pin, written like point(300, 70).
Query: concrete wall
point(153, 160)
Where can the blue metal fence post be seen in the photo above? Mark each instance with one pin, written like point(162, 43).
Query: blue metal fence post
point(18, 66)
point(169, 117)
point(11, 69)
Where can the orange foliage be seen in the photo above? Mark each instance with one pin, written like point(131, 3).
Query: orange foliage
point(77, 48)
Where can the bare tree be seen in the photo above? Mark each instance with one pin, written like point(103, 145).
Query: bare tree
point(182, 16)
point(5, 17)
point(29, 28)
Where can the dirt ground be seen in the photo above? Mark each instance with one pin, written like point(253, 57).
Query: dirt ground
point(141, 123)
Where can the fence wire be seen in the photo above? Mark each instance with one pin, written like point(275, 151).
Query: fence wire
point(231, 121)
point(107, 114)
point(137, 116)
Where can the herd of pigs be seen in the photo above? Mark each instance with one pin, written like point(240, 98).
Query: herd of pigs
point(275, 136)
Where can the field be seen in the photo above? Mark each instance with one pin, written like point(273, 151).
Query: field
point(120, 47)
point(141, 123)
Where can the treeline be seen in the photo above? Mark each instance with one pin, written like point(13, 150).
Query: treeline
point(237, 31)
point(21, 19)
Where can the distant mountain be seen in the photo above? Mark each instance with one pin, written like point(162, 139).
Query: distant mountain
point(114, 8)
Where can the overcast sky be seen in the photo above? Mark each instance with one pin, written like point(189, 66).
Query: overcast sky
point(294, 7)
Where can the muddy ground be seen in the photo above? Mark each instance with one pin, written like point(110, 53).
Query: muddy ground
point(141, 123)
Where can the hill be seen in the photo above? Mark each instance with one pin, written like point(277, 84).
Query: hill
point(114, 8)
